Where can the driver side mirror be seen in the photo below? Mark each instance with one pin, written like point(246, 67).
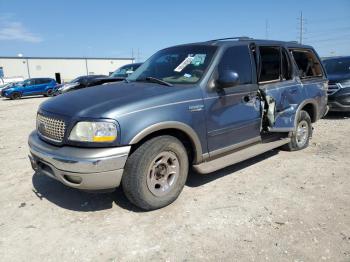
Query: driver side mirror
point(228, 78)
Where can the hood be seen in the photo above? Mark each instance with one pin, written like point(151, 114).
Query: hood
point(335, 78)
point(113, 100)
point(11, 86)
point(68, 86)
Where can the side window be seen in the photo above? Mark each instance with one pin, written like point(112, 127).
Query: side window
point(270, 58)
point(237, 59)
point(39, 81)
point(29, 82)
point(308, 64)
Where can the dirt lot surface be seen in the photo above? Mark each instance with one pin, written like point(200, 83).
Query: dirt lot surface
point(280, 206)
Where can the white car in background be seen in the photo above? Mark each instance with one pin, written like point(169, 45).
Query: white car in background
point(7, 80)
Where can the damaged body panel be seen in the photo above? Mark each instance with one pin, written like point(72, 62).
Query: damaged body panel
point(283, 101)
point(298, 81)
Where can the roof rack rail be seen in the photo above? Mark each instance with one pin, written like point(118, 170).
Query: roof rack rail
point(294, 42)
point(231, 38)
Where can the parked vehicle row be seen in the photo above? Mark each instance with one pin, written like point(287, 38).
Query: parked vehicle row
point(49, 87)
point(203, 105)
point(30, 87)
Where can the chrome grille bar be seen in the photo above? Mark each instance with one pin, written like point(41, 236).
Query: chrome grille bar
point(50, 128)
point(332, 88)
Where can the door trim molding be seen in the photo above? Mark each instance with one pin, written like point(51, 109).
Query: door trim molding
point(234, 146)
point(231, 128)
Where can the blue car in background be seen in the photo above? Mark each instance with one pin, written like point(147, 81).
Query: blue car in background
point(30, 87)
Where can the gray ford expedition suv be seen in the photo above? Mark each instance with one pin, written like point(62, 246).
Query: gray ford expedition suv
point(204, 105)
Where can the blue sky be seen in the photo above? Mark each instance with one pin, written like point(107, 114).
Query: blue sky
point(114, 28)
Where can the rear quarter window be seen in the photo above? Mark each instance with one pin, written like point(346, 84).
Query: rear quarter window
point(308, 64)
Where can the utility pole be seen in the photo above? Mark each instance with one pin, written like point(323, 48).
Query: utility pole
point(266, 29)
point(301, 27)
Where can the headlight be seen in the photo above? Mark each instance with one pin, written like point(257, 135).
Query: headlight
point(68, 86)
point(93, 132)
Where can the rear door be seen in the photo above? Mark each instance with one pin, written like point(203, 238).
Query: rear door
point(40, 85)
point(280, 87)
point(232, 114)
point(312, 77)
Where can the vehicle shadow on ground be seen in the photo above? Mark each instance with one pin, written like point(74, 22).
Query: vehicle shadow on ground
point(22, 98)
point(337, 115)
point(195, 179)
point(76, 200)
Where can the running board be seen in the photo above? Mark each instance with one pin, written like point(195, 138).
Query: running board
point(238, 156)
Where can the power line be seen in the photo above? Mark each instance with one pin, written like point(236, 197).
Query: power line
point(329, 31)
point(333, 39)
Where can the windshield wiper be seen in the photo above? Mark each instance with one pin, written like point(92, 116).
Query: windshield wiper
point(156, 80)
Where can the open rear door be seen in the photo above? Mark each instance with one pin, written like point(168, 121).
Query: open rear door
point(281, 90)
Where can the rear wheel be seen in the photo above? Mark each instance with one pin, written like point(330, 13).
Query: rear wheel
point(49, 92)
point(301, 137)
point(15, 96)
point(155, 173)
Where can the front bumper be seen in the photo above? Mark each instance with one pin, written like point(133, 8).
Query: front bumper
point(82, 168)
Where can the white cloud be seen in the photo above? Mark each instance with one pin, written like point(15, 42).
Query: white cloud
point(10, 30)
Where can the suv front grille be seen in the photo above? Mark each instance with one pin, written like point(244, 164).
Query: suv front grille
point(332, 88)
point(51, 128)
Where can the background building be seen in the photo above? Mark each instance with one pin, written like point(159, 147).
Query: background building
point(65, 68)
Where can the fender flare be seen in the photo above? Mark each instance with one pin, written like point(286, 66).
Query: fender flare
point(300, 107)
point(173, 125)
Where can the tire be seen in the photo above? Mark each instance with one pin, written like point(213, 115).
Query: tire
point(155, 173)
point(48, 93)
point(15, 96)
point(301, 137)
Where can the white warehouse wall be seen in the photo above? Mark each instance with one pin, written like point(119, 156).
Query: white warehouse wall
point(69, 68)
point(14, 67)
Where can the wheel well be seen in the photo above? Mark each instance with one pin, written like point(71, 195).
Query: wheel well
point(16, 92)
point(311, 110)
point(182, 136)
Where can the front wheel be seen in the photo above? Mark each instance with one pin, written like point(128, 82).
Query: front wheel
point(155, 173)
point(15, 96)
point(301, 136)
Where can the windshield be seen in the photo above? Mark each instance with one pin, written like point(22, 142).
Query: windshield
point(176, 65)
point(28, 82)
point(75, 80)
point(337, 66)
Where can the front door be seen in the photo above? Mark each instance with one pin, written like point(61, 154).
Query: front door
point(28, 87)
point(232, 114)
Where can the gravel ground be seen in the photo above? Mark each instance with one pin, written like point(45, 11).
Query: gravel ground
point(279, 206)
